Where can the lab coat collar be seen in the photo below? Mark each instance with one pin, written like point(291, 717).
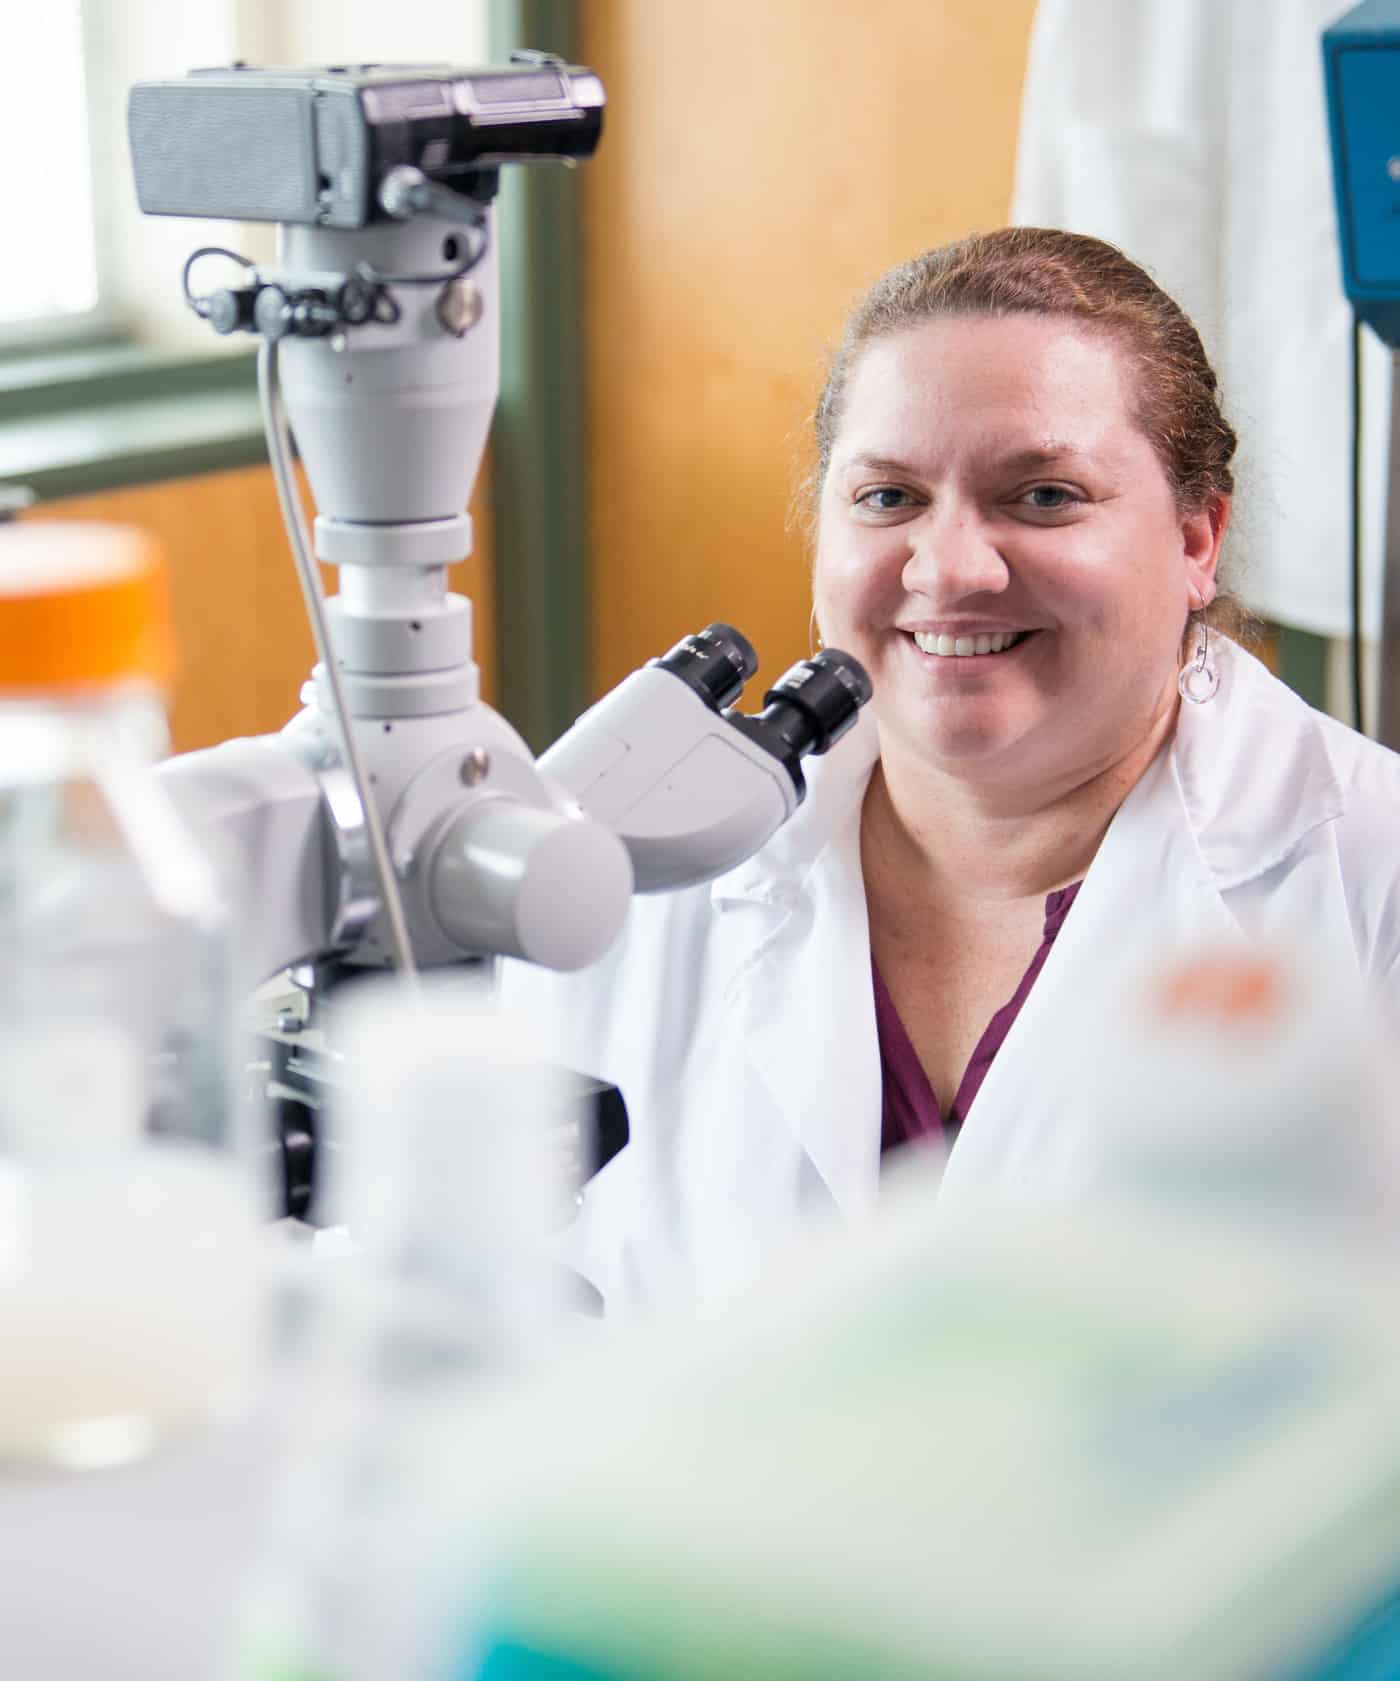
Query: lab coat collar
point(1253, 770)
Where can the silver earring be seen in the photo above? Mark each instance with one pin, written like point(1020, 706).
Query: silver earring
point(814, 636)
point(1199, 679)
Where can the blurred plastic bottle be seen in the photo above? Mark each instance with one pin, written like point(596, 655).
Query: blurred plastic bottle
point(448, 1183)
point(126, 1221)
point(1242, 1080)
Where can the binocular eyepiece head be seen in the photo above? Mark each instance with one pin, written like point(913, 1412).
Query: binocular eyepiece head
point(807, 710)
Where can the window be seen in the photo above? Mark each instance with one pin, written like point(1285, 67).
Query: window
point(49, 279)
point(78, 260)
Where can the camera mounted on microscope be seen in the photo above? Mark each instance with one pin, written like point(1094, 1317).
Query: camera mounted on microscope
point(336, 147)
point(351, 147)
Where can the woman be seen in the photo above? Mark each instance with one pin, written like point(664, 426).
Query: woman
point(1022, 488)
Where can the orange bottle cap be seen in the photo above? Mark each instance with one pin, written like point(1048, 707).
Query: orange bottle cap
point(82, 604)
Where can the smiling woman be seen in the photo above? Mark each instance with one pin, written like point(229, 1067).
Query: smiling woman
point(1019, 439)
point(1023, 486)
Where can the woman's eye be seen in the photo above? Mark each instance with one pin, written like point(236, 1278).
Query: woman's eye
point(883, 499)
point(1050, 498)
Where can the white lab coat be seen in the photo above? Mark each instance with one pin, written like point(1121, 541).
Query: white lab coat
point(738, 1018)
point(1193, 134)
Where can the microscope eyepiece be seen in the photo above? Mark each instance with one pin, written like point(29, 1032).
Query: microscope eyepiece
point(808, 709)
point(716, 662)
point(825, 692)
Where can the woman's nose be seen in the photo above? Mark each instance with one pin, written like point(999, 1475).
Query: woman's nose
point(954, 554)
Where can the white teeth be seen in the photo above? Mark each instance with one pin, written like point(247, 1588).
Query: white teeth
point(995, 642)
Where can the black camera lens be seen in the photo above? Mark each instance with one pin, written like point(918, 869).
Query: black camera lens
point(716, 662)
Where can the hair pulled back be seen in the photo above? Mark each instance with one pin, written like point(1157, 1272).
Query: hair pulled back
point(1046, 271)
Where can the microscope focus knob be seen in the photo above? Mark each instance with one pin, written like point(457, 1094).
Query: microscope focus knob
point(526, 881)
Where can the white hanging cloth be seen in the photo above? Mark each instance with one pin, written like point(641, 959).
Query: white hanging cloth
point(1193, 134)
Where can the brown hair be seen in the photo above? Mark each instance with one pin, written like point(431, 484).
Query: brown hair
point(1045, 271)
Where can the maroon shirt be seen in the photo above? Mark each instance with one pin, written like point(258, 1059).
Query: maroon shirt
point(911, 1107)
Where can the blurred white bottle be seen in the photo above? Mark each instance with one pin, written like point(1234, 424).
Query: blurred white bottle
point(126, 1276)
point(448, 1183)
point(1242, 1080)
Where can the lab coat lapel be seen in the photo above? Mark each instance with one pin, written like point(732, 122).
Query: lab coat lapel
point(801, 996)
point(1148, 876)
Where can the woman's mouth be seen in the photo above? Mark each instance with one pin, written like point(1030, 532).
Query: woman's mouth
point(967, 647)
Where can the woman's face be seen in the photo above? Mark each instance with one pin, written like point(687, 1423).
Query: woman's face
point(989, 490)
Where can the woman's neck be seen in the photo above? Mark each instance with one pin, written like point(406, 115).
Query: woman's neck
point(958, 842)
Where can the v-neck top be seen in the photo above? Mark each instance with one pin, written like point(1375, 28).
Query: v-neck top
point(911, 1108)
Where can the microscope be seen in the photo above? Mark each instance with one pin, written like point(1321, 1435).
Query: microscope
point(398, 822)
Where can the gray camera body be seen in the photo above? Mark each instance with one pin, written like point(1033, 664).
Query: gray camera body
point(314, 146)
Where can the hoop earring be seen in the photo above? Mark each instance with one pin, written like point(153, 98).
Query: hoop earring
point(1199, 678)
point(814, 636)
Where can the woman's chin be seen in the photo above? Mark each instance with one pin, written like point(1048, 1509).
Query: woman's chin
point(980, 736)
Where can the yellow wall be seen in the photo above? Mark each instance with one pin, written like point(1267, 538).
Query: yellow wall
point(762, 161)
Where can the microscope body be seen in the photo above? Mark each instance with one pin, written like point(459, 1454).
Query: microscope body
point(398, 819)
point(391, 419)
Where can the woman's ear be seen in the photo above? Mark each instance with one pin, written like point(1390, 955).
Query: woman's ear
point(1202, 533)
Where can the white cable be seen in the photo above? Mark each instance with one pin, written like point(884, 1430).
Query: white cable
point(280, 454)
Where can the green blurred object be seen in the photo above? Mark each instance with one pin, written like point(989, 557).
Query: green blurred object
point(1302, 664)
point(539, 512)
point(76, 422)
point(509, 1662)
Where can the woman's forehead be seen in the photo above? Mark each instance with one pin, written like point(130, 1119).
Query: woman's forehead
point(1043, 380)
